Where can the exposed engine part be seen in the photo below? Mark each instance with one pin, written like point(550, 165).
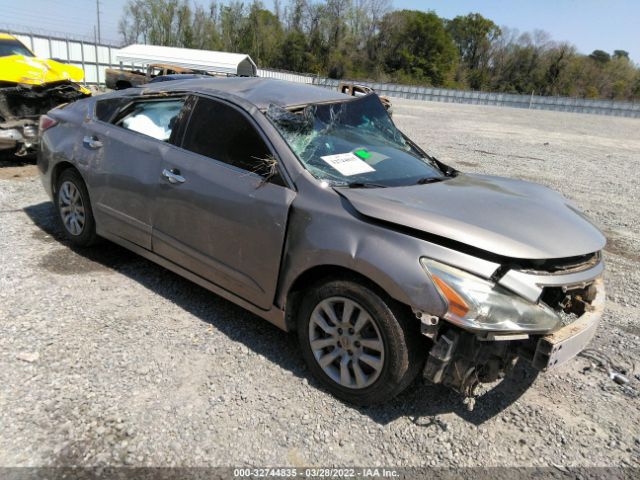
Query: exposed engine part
point(461, 361)
point(22, 105)
point(24, 101)
point(570, 302)
point(429, 324)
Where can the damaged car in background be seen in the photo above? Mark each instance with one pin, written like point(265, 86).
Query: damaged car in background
point(356, 90)
point(29, 87)
point(312, 210)
point(119, 79)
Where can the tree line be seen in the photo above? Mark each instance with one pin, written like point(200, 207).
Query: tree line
point(369, 40)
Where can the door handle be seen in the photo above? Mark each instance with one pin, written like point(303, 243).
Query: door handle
point(92, 142)
point(173, 175)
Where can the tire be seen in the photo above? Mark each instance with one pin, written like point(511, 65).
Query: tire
point(74, 209)
point(387, 348)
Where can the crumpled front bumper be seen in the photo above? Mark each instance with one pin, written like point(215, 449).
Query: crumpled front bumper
point(562, 345)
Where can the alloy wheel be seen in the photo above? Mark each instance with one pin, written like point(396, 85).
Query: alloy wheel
point(71, 208)
point(346, 342)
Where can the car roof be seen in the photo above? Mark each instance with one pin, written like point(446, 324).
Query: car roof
point(261, 92)
point(177, 76)
point(7, 36)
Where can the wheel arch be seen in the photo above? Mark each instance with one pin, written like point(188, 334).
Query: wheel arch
point(57, 171)
point(316, 274)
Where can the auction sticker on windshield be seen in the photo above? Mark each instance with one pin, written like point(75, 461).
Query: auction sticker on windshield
point(348, 164)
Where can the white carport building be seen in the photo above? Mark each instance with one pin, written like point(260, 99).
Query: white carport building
point(220, 63)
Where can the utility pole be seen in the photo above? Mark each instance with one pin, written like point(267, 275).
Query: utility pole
point(98, 14)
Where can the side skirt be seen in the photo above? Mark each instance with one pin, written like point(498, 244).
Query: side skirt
point(274, 315)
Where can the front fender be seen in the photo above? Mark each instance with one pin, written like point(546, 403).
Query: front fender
point(388, 259)
point(325, 231)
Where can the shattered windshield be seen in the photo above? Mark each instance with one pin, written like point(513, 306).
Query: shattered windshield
point(13, 47)
point(353, 143)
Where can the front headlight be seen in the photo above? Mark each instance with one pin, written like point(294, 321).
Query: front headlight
point(479, 304)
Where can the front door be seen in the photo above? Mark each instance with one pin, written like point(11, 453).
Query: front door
point(215, 214)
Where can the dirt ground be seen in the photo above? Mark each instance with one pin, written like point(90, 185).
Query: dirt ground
point(17, 170)
point(108, 359)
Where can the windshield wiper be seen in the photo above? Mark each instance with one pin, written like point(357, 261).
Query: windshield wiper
point(425, 180)
point(365, 185)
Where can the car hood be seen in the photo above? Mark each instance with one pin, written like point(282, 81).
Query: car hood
point(507, 217)
point(37, 71)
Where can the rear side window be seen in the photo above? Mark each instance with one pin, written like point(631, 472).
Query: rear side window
point(107, 109)
point(223, 133)
point(154, 118)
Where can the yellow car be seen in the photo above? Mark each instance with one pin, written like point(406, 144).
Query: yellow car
point(30, 87)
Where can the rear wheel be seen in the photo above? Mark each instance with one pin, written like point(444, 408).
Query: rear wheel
point(74, 209)
point(361, 345)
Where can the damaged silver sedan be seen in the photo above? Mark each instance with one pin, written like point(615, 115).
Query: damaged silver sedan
point(312, 210)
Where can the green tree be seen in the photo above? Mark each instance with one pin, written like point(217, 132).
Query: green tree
point(366, 39)
point(293, 54)
point(261, 35)
point(600, 56)
point(158, 22)
point(296, 11)
point(474, 35)
point(204, 27)
point(231, 25)
point(621, 54)
point(416, 47)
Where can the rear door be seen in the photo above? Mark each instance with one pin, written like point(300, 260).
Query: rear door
point(128, 141)
point(219, 213)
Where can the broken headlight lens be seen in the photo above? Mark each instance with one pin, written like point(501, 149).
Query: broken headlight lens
point(479, 304)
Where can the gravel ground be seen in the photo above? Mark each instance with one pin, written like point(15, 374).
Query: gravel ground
point(108, 359)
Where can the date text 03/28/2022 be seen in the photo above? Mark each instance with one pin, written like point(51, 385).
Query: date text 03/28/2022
point(315, 473)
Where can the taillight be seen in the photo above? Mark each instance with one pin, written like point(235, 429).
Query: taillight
point(46, 122)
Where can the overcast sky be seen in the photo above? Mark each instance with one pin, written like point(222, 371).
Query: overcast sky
point(588, 24)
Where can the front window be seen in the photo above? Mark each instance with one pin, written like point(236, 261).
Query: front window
point(10, 47)
point(353, 143)
point(221, 132)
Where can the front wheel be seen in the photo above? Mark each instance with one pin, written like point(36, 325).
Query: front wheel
point(360, 344)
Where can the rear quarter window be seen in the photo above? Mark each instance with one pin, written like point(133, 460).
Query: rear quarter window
point(108, 108)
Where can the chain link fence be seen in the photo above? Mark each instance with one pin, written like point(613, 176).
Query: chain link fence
point(537, 102)
point(94, 58)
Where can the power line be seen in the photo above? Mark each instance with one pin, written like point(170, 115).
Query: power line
point(43, 32)
point(30, 18)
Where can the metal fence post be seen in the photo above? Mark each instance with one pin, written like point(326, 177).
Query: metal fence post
point(84, 81)
point(97, 64)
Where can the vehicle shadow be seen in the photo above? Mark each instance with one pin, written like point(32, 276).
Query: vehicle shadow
point(8, 158)
point(421, 403)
